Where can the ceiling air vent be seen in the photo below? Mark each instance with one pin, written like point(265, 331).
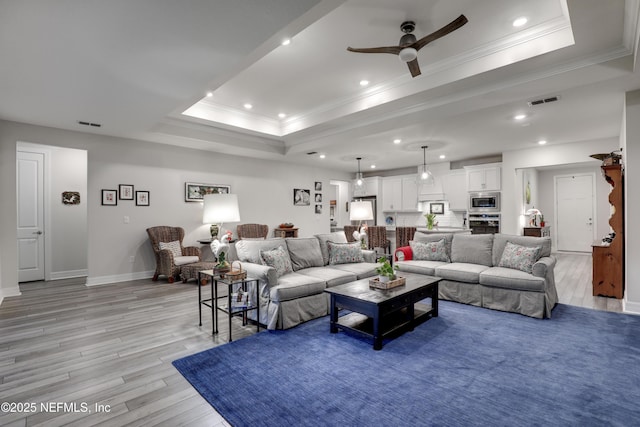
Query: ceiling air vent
point(543, 101)
point(97, 125)
point(311, 153)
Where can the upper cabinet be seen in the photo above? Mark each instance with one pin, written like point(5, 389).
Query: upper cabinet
point(483, 177)
point(391, 194)
point(399, 193)
point(371, 187)
point(454, 186)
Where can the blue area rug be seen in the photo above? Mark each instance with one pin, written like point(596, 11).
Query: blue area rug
point(469, 366)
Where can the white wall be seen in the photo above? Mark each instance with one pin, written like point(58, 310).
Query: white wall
point(631, 157)
point(265, 190)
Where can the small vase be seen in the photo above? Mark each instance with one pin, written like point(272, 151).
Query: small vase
point(214, 231)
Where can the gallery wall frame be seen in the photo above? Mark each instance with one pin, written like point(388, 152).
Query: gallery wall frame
point(109, 197)
point(195, 192)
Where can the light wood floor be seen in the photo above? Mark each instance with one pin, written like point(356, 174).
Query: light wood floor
point(113, 345)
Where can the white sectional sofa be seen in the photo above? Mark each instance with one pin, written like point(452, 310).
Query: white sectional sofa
point(292, 287)
point(476, 270)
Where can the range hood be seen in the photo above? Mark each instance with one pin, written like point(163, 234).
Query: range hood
point(431, 197)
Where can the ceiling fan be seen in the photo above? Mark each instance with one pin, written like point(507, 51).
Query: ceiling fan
point(408, 47)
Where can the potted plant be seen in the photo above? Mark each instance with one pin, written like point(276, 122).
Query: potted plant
point(385, 270)
point(223, 265)
point(431, 221)
point(542, 220)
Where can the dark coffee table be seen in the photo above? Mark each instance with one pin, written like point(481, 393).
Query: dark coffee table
point(379, 313)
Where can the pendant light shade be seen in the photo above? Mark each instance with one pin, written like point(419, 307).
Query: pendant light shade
point(424, 174)
point(359, 182)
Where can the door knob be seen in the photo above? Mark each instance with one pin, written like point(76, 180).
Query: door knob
point(37, 232)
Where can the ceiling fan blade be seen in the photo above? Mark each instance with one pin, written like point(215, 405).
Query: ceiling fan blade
point(414, 68)
point(394, 50)
point(452, 26)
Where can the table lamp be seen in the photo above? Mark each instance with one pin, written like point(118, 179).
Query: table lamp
point(361, 211)
point(218, 209)
point(533, 216)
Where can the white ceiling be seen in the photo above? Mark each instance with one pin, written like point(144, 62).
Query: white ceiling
point(135, 67)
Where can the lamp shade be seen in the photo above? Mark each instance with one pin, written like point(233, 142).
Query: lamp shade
point(361, 211)
point(219, 208)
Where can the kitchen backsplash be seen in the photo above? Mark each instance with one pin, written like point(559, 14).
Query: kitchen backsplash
point(447, 219)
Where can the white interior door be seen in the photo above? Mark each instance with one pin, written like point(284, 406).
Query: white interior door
point(575, 212)
point(30, 202)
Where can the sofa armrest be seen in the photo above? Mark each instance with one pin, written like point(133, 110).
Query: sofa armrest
point(369, 255)
point(543, 265)
point(263, 273)
point(403, 253)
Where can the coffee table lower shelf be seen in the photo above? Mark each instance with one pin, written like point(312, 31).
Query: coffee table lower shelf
point(393, 326)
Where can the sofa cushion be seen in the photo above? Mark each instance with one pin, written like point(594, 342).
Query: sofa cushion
point(344, 253)
point(508, 278)
point(174, 247)
point(519, 257)
point(430, 251)
point(472, 249)
point(360, 269)
point(420, 267)
point(277, 258)
point(336, 237)
point(500, 240)
point(332, 276)
point(294, 285)
point(461, 272)
point(249, 250)
point(304, 252)
point(434, 237)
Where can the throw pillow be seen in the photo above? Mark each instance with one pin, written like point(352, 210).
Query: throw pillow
point(520, 257)
point(174, 247)
point(344, 253)
point(430, 251)
point(277, 258)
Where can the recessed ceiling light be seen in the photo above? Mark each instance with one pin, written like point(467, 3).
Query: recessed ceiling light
point(397, 141)
point(519, 22)
point(322, 156)
point(209, 94)
point(286, 42)
point(520, 116)
point(248, 106)
point(442, 156)
point(364, 82)
point(373, 166)
point(282, 115)
point(542, 142)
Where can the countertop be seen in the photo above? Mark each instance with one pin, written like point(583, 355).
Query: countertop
point(436, 229)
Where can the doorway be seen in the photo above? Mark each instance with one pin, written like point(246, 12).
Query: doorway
point(52, 215)
point(575, 212)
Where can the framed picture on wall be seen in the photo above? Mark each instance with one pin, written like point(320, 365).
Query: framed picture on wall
point(194, 192)
point(125, 192)
point(301, 197)
point(109, 197)
point(142, 198)
point(436, 208)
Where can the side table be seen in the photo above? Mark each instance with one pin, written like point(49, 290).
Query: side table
point(232, 288)
point(285, 232)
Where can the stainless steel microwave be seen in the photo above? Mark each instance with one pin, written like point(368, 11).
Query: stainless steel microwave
point(484, 202)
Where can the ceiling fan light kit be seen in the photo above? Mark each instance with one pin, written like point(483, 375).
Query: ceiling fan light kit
point(408, 47)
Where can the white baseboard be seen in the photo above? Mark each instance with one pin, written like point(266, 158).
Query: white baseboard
point(13, 291)
point(630, 307)
point(70, 274)
point(116, 278)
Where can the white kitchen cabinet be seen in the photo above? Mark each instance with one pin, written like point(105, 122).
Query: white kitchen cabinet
point(483, 178)
point(391, 194)
point(454, 186)
point(409, 193)
point(370, 187)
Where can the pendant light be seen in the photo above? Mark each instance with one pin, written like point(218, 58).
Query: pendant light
point(359, 183)
point(424, 174)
